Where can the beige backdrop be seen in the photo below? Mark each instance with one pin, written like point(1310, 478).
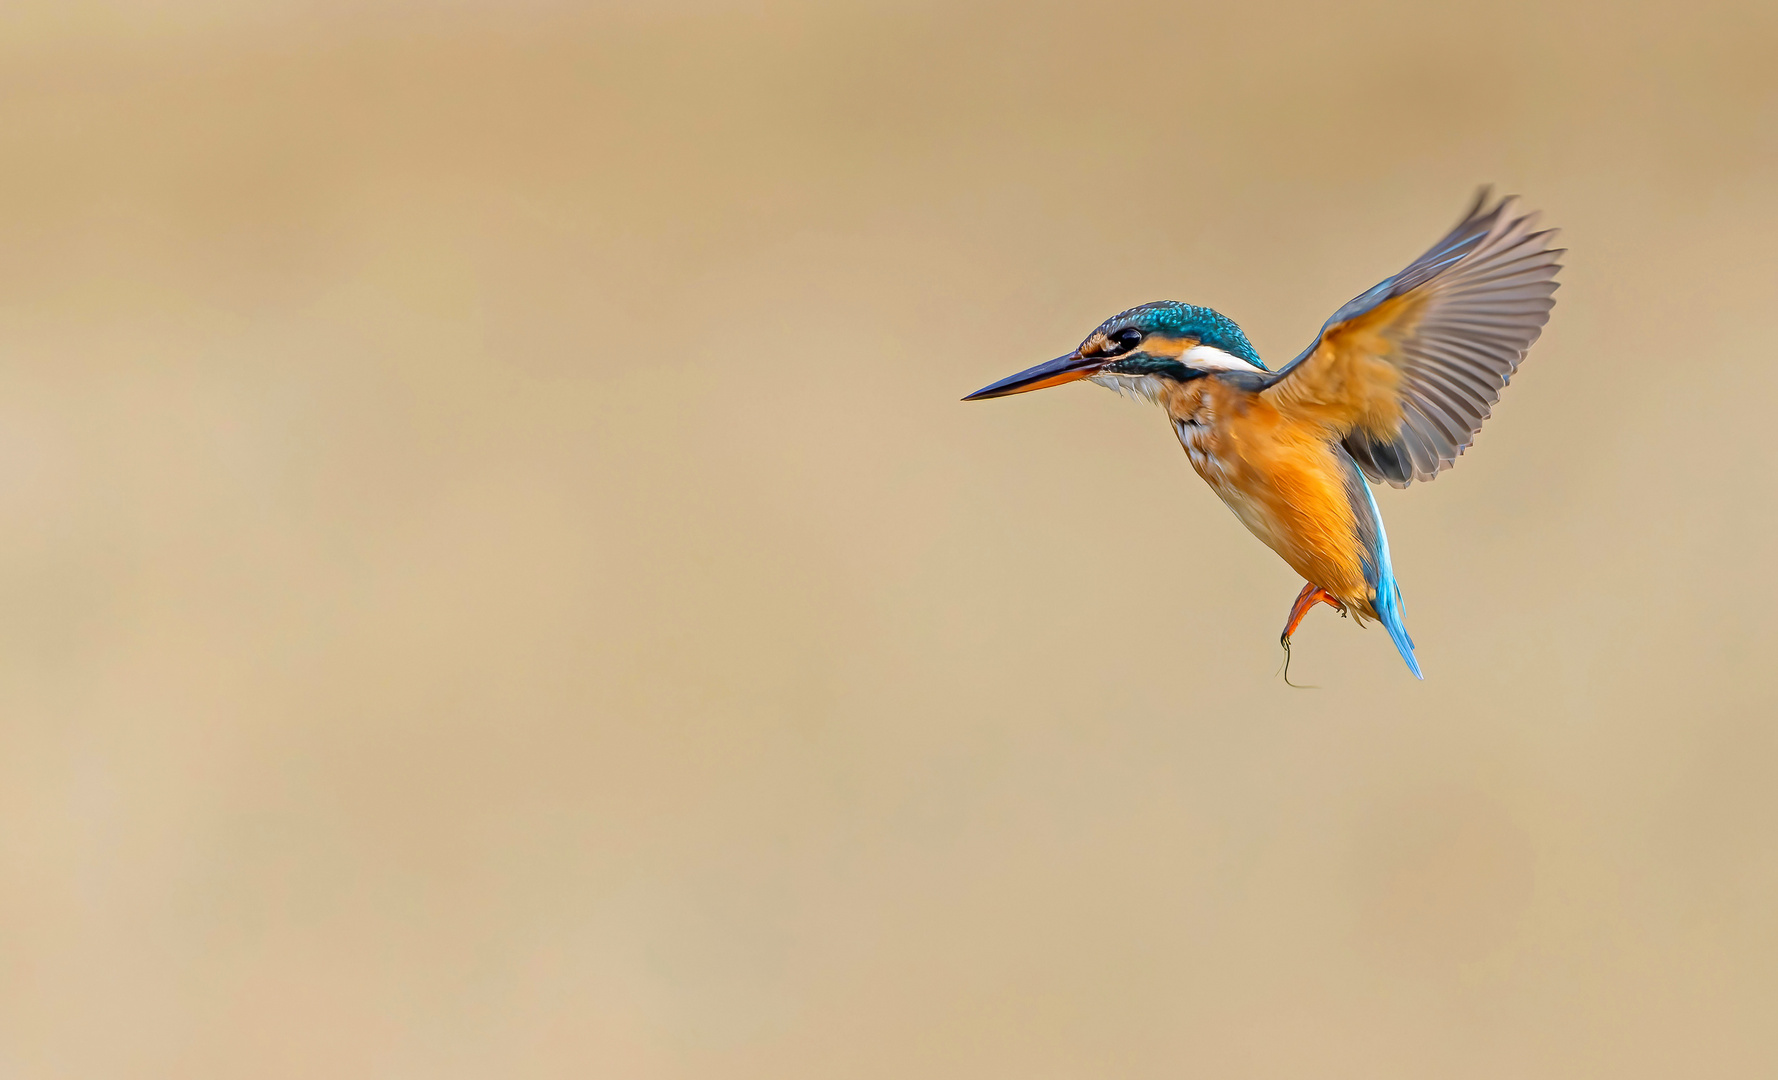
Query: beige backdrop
point(496, 581)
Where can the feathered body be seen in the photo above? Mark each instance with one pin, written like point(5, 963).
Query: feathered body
point(1293, 488)
point(1394, 388)
point(1296, 489)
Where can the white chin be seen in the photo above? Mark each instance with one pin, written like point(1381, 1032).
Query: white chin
point(1142, 386)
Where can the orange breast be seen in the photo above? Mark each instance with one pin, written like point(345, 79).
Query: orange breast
point(1284, 480)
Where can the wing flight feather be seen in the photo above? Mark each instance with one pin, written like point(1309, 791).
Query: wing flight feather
point(1407, 372)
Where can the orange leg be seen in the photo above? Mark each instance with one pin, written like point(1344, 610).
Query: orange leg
point(1308, 598)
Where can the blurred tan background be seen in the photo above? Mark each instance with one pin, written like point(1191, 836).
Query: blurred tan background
point(495, 579)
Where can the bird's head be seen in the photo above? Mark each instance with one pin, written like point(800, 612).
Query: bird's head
point(1132, 350)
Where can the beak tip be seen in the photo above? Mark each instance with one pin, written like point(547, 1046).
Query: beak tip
point(1062, 369)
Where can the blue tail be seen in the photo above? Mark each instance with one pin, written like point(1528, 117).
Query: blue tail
point(1389, 610)
point(1388, 603)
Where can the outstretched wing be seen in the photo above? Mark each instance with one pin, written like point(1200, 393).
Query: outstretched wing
point(1406, 373)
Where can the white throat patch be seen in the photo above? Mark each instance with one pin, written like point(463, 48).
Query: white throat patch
point(1142, 386)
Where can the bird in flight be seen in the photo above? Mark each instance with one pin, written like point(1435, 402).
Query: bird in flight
point(1394, 387)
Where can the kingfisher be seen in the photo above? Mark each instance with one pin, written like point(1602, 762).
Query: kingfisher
point(1392, 390)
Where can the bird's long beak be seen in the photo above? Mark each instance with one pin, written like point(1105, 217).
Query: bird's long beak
point(1063, 369)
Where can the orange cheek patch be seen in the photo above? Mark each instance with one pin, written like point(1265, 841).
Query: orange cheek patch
point(1170, 347)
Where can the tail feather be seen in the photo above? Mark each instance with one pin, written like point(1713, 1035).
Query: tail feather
point(1388, 601)
point(1388, 607)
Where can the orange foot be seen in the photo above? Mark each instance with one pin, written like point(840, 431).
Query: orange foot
point(1308, 598)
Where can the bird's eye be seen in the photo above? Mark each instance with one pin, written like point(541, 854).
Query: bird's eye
point(1124, 340)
